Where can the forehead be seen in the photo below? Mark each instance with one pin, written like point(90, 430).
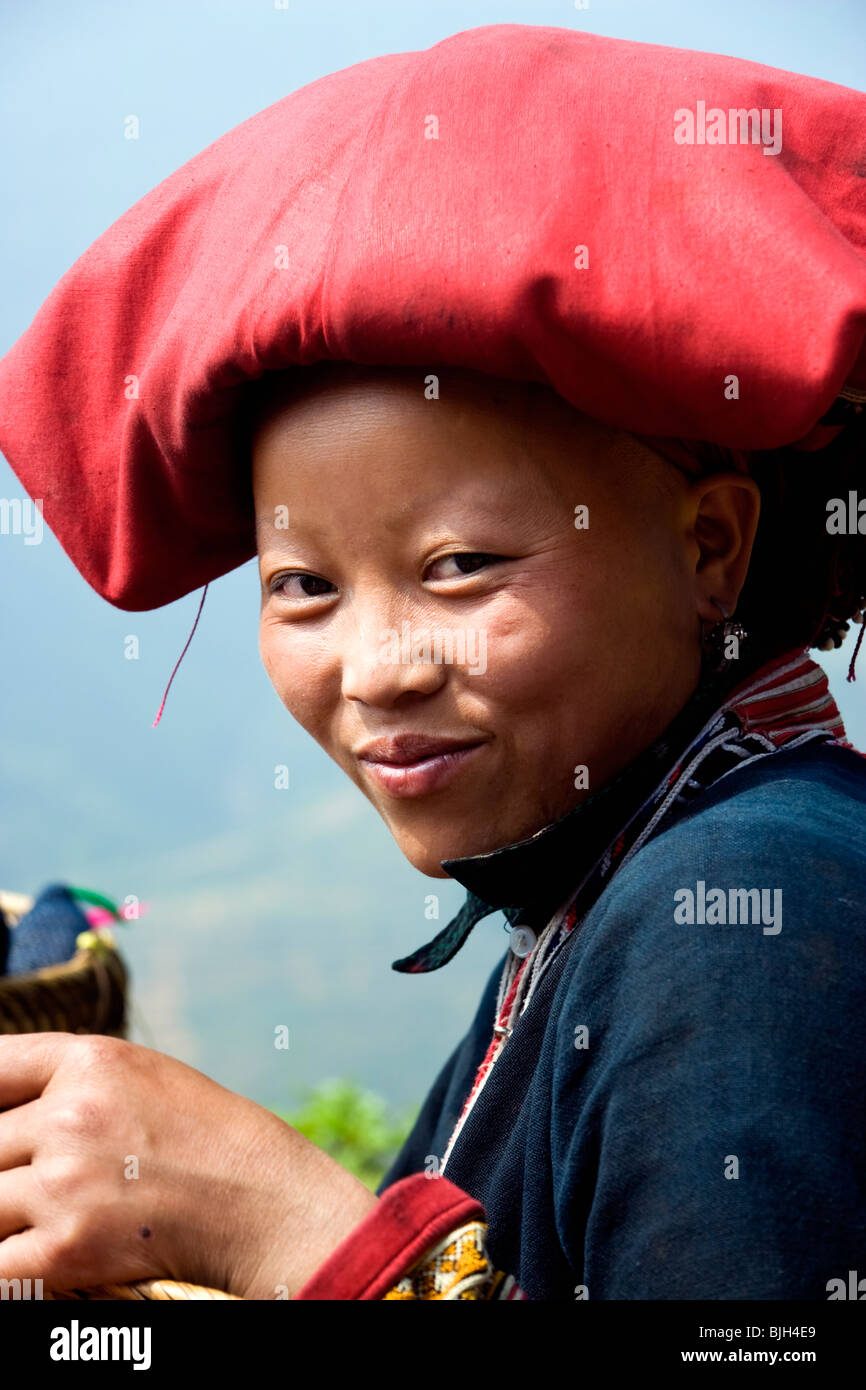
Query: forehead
point(402, 458)
point(336, 411)
point(298, 397)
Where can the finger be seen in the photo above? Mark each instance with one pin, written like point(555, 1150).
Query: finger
point(21, 1258)
point(16, 1203)
point(27, 1063)
point(18, 1130)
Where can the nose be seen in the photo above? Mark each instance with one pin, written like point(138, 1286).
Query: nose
point(386, 656)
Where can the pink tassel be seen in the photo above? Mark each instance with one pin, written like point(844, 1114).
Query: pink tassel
point(180, 659)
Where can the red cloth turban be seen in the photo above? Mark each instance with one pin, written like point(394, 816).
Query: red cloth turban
point(528, 201)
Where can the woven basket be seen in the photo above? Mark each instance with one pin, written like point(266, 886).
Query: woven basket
point(86, 994)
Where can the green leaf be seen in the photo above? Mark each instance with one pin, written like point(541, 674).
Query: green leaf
point(353, 1126)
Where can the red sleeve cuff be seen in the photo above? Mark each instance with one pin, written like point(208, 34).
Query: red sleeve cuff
point(411, 1217)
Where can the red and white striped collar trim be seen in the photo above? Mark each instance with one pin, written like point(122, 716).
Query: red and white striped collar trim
point(785, 697)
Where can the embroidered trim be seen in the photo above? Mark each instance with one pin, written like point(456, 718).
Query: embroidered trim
point(458, 1268)
point(501, 1033)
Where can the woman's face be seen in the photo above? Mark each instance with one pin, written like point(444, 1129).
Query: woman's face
point(467, 600)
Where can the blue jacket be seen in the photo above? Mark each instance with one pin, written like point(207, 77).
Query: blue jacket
point(709, 1141)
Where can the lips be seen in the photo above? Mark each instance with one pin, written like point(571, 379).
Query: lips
point(405, 749)
point(414, 765)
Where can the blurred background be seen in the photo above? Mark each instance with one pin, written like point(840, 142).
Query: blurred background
point(265, 907)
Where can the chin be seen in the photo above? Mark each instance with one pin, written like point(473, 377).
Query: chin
point(427, 856)
point(425, 860)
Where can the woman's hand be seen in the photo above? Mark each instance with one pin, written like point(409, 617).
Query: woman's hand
point(119, 1163)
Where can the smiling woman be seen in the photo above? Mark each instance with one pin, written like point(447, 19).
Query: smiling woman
point(552, 618)
point(456, 514)
point(453, 510)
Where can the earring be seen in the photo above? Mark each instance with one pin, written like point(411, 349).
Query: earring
point(717, 641)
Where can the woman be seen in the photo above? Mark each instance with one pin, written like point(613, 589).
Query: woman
point(504, 603)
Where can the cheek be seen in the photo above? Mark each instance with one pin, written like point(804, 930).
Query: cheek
point(299, 673)
point(542, 637)
point(267, 653)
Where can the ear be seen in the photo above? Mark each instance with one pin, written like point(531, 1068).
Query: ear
point(725, 508)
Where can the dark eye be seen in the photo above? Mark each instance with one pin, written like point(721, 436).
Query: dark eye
point(313, 585)
point(467, 562)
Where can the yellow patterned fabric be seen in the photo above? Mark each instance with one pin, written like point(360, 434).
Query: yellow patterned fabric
point(457, 1268)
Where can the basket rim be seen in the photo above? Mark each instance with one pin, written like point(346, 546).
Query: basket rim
point(80, 964)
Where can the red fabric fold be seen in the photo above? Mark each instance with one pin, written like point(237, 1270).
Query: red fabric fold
point(412, 1216)
point(548, 204)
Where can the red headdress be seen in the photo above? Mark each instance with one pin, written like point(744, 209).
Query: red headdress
point(674, 241)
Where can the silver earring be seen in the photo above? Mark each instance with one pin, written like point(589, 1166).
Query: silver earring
point(719, 639)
